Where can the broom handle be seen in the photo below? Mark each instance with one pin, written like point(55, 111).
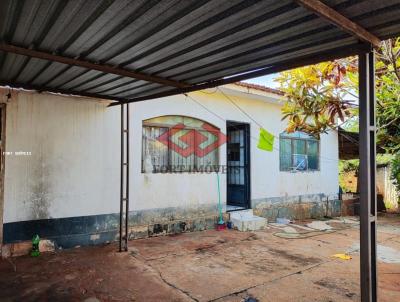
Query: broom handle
point(219, 201)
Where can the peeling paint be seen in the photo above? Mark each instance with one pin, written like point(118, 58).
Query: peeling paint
point(297, 207)
point(39, 199)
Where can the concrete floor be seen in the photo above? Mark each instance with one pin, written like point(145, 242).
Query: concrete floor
point(210, 266)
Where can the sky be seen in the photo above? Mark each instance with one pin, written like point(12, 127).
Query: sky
point(265, 81)
point(269, 82)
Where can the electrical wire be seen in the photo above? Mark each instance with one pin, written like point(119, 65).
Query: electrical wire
point(257, 123)
point(218, 116)
point(240, 108)
point(330, 160)
point(326, 159)
point(252, 137)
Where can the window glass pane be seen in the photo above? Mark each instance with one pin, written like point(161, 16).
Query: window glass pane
point(154, 153)
point(208, 162)
point(313, 162)
point(299, 146)
point(234, 136)
point(298, 151)
point(182, 143)
point(173, 120)
point(236, 175)
point(234, 152)
point(187, 144)
point(312, 148)
point(300, 162)
point(297, 134)
point(285, 152)
point(240, 178)
point(312, 151)
point(207, 151)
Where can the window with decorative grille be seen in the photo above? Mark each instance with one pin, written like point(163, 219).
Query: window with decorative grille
point(179, 144)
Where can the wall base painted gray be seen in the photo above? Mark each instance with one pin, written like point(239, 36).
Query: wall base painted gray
point(98, 229)
point(297, 207)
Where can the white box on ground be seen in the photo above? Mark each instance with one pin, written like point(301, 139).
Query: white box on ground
point(246, 221)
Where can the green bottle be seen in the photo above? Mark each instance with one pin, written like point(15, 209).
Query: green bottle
point(35, 246)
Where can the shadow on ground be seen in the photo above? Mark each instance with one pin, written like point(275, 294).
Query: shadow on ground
point(211, 266)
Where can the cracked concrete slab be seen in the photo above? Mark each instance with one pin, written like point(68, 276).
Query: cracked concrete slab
point(207, 266)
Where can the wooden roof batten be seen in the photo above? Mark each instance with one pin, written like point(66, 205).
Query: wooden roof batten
point(340, 21)
point(316, 6)
point(333, 54)
point(89, 65)
point(185, 50)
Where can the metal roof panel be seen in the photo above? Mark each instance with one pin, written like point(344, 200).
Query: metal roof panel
point(194, 41)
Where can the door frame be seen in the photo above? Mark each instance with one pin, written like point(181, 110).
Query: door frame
point(247, 142)
point(3, 107)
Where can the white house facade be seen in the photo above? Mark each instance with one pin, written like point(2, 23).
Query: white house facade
point(61, 164)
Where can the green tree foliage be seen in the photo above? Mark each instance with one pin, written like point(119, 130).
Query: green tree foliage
point(318, 95)
point(388, 95)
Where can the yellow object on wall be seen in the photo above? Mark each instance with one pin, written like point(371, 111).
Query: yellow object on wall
point(266, 140)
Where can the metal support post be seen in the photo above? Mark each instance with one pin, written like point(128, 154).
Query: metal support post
point(124, 180)
point(368, 208)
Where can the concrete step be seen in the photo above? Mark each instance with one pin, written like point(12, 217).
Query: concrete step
point(246, 221)
point(241, 213)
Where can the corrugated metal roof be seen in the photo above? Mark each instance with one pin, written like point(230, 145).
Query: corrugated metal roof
point(190, 42)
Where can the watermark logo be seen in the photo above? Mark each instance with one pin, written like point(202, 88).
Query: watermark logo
point(195, 142)
point(17, 153)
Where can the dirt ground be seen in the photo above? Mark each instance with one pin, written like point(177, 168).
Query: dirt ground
point(288, 263)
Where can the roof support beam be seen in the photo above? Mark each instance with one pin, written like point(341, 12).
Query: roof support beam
point(89, 65)
point(340, 21)
point(61, 91)
point(333, 54)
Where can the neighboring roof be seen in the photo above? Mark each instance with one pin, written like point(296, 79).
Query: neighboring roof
point(260, 93)
point(349, 145)
point(260, 87)
point(137, 50)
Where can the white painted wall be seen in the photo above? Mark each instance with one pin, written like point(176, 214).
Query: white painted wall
point(387, 188)
point(267, 180)
point(73, 169)
point(74, 164)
